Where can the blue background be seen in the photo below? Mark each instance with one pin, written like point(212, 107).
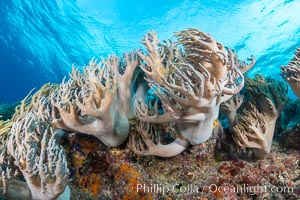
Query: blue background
point(40, 40)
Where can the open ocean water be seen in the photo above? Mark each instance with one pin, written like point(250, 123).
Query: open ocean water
point(40, 40)
point(80, 140)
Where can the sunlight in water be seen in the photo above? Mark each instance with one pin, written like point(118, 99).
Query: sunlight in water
point(47, 37)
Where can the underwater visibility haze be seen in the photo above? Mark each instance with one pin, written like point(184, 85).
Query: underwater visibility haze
point(40, 40)
point(161, 100)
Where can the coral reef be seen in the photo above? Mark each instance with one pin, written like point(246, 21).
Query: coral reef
point(291, 73)
point(162, 101)
point(194, 174)
point(191, 84)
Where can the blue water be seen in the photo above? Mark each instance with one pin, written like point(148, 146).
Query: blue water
point(40, 39)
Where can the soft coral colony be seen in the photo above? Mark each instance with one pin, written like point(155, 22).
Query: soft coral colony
point(291, 73)
point(189, 79)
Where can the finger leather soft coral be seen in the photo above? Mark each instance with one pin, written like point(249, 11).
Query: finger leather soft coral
point(255, 126)
point(190, 86)
point(30, 147)
point(291, 73)
point(37, 155)
point(96, 102)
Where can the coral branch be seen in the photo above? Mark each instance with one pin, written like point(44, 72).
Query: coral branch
point(5, 126)
point(125, 85)
point(154, 68)
point(149, 142)
point(291, 73)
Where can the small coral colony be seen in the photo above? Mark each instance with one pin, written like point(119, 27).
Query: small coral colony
point(182, 83)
